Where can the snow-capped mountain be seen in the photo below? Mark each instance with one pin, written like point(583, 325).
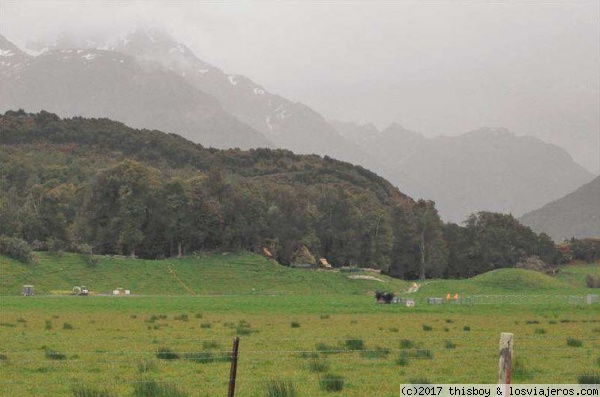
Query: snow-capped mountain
point(289, 125)
point(12, 59)
point(102, 83)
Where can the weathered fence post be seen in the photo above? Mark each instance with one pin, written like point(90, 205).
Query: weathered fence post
point(506, 358)
point(233, 370)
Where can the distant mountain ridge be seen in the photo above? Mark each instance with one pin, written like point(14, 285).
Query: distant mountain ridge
point(489, 169)
point(575, 215)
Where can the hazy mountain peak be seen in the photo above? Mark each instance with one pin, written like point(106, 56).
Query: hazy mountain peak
point(398, 132)
point(11, 57)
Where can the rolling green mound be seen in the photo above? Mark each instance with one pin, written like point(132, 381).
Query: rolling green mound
point(509, 282)
point(211, 274)
point(518, 280)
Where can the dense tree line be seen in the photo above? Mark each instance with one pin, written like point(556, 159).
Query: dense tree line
point(78, 183)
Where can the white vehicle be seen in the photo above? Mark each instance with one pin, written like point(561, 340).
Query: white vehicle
point(80, 290)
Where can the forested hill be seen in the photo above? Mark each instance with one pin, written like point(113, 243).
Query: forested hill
point(96, 182)
point(98, 186)
point(171, 151)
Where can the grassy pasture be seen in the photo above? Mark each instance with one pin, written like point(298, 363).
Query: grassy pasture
point(297, 328)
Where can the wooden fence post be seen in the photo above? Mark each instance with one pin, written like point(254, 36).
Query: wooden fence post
point(506, 357)
point(233, 370)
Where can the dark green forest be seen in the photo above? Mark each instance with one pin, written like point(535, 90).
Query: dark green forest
point(97, 186)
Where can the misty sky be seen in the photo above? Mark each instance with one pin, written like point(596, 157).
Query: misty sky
point(436, 67)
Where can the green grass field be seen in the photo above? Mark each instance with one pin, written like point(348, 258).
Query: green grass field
point(295, 327)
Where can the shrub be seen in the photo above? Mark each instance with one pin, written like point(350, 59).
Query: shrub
point(67, 326)
point(402, 359)
point(330, 382)
point(419, 381)
point(280, 388)
point(574, 342)
point(466, 328)
point(590, 378)
point(324, 316)
point(539, 331)
point(521, 372)
point(354, 344)
point(16, 248)
point(164, 353)
point(295, 324)
point(427, 327)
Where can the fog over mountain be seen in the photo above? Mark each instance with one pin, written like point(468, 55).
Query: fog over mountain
point(436, 68)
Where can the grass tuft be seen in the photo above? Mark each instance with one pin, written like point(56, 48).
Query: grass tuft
point(331, 383)
point(574, 342)
point(449, 345)
point(354, 344)
point(316, 365)
point(280, 388)
point(590, 378)
point(152, 388)
point(407, 344)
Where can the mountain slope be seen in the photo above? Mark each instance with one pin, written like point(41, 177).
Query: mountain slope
point(99, 83)
point(575, 215)
point(482, 170)
point(289, 125)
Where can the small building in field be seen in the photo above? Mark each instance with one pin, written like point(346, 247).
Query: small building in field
point(324, 264)
point(27, 290)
